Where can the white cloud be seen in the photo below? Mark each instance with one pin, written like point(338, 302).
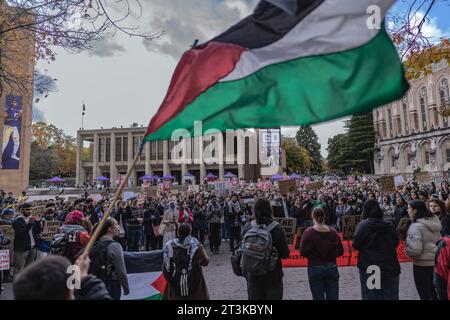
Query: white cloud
point(183, 21)
point(430, 28)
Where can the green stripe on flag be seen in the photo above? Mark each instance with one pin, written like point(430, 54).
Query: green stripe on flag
point(302, 91)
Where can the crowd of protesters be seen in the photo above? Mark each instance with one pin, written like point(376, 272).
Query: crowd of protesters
point(418, 214)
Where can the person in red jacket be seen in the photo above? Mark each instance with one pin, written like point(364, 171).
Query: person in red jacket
point(442, 269)
point(185, 214)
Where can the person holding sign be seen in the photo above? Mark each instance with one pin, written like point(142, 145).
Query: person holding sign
point(377, 243)
point(4, 241)
point(42, 235)
point(321, 245)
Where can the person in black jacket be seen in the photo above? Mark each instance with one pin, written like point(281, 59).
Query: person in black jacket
point(34, 283)
point(151, 219)
point(24, 243)
point(270, 285)
point(377, 242)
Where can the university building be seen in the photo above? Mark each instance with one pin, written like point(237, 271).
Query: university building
point(411, 132)
point(110, 152)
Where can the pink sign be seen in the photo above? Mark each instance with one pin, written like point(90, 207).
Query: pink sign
point(4, 260)
point(351, 180)
point(307, 180)
point(167, 185)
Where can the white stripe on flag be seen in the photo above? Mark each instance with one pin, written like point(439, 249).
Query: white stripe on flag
point(334, 26)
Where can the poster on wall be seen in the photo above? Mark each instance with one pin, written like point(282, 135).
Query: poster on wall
point(11, 132)
point(269, 151)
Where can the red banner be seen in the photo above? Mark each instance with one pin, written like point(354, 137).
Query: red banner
point(350, 257)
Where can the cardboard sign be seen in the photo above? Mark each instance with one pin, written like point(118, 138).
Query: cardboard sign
point(314, 185)
point(137, 212)
point(349, 224)
point(72, 199)
point(286, 186)
point(4, 260)
point(399, 181)
point(39, 209)
point(194, 188)
point(424, 177)
point(438, 179)
point(50, 229)
point(387, 184)
point(288, 225)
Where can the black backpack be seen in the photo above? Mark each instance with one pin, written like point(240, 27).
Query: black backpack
point(99, 262)
point(183, 276)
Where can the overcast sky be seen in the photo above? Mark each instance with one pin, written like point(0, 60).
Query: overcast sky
point(123, 80)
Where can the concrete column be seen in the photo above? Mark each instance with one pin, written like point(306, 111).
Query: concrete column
point(148, 167)
point(130, 158)
point(241, 156)
point(112, 163)
point(166, 169)
point(95, 168)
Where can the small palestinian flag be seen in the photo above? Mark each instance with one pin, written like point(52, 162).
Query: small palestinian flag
point(145, 278)
point(292, 62)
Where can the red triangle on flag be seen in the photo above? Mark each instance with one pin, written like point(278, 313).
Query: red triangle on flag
point(160, 284)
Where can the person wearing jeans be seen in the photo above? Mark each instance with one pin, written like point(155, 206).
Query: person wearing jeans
point(321, 245)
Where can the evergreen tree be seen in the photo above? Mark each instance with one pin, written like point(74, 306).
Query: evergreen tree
point(307, 139)
point(361, 142)
point(336, 152)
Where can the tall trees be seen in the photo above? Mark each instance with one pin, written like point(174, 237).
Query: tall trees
point(353, 150)
point(52, 152)
point(297, 158)
point(307, 139)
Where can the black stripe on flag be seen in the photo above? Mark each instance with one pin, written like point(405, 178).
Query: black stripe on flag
point(266, 25)
point(140, 262)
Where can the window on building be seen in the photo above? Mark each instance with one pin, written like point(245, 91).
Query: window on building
point(448, 155)
point(444, 97)
point(393, 161)
point(153, 150)
point(118, 149)
point(409, 158)
point(391, 126)
point(135, 145)
point(108, 150)
point(405, 117)
point(427, 157)
point(142, 157)
point(169, 151)
point(423, 107)
point(160, 150)
point(125, 149)
point(101, 149)
point(384, 129)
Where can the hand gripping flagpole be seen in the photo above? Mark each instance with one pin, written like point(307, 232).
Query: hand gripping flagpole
point(108, 212)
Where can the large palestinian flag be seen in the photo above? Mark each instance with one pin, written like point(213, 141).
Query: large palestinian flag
point(144, 270)
point(289, 63)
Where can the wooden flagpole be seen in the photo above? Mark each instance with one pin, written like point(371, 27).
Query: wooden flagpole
point(108, 212)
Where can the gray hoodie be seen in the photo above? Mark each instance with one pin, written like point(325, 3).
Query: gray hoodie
point(421, 240)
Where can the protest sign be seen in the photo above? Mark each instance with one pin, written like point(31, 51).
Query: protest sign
point(314, 185)
point(286, 186)
point(128, 195)
point(424, 177)
point(50, 229)
point(349, 224)
point(307, 180)
point(167, 185)
point(4, 260)
point(194, 188)
point(141, 200)
point(38, 209)
point(351, 180)
point(288, 225)
point(387, 184)
point(72, 199)
point(399, 181)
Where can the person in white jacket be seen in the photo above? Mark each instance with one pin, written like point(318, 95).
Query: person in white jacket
point(421, 246)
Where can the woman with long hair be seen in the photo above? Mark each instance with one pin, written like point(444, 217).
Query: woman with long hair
point(423, 235)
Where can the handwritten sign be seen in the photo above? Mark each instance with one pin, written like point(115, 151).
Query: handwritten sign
point(349, 224)
point(286, 186)
point(387, 184)
point(288, 225)
point(36, 210)
point(314, 185)
point(351, 180)
point(424, 177)
point(141, 200)
point(137, 212)
point(399, 181)
point(50, 229)
point(8, 231)
point(4, 260)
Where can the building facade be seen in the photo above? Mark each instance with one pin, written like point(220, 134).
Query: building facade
point(110, 152)
point(16, 97)
point(411, 132)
